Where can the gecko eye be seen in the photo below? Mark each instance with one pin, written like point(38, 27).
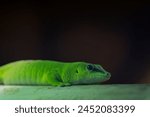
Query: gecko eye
point(90, 67)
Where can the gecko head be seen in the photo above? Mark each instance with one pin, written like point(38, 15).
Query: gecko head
point(87, 73)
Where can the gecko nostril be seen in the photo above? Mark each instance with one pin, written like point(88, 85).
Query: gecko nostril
point(108, 74)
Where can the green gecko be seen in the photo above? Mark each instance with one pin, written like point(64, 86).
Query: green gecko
point(54, 73)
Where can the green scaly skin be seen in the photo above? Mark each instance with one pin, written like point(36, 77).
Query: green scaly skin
point(46, 72)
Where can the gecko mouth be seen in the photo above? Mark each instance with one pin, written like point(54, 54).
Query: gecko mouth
point(101, 77)
point(93, 79)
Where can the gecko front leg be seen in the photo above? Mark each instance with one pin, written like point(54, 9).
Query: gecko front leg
point(54, 79)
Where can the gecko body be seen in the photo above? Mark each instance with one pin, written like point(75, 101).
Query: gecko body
point(46, 72)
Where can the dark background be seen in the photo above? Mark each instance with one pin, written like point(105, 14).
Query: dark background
point(116, 36)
